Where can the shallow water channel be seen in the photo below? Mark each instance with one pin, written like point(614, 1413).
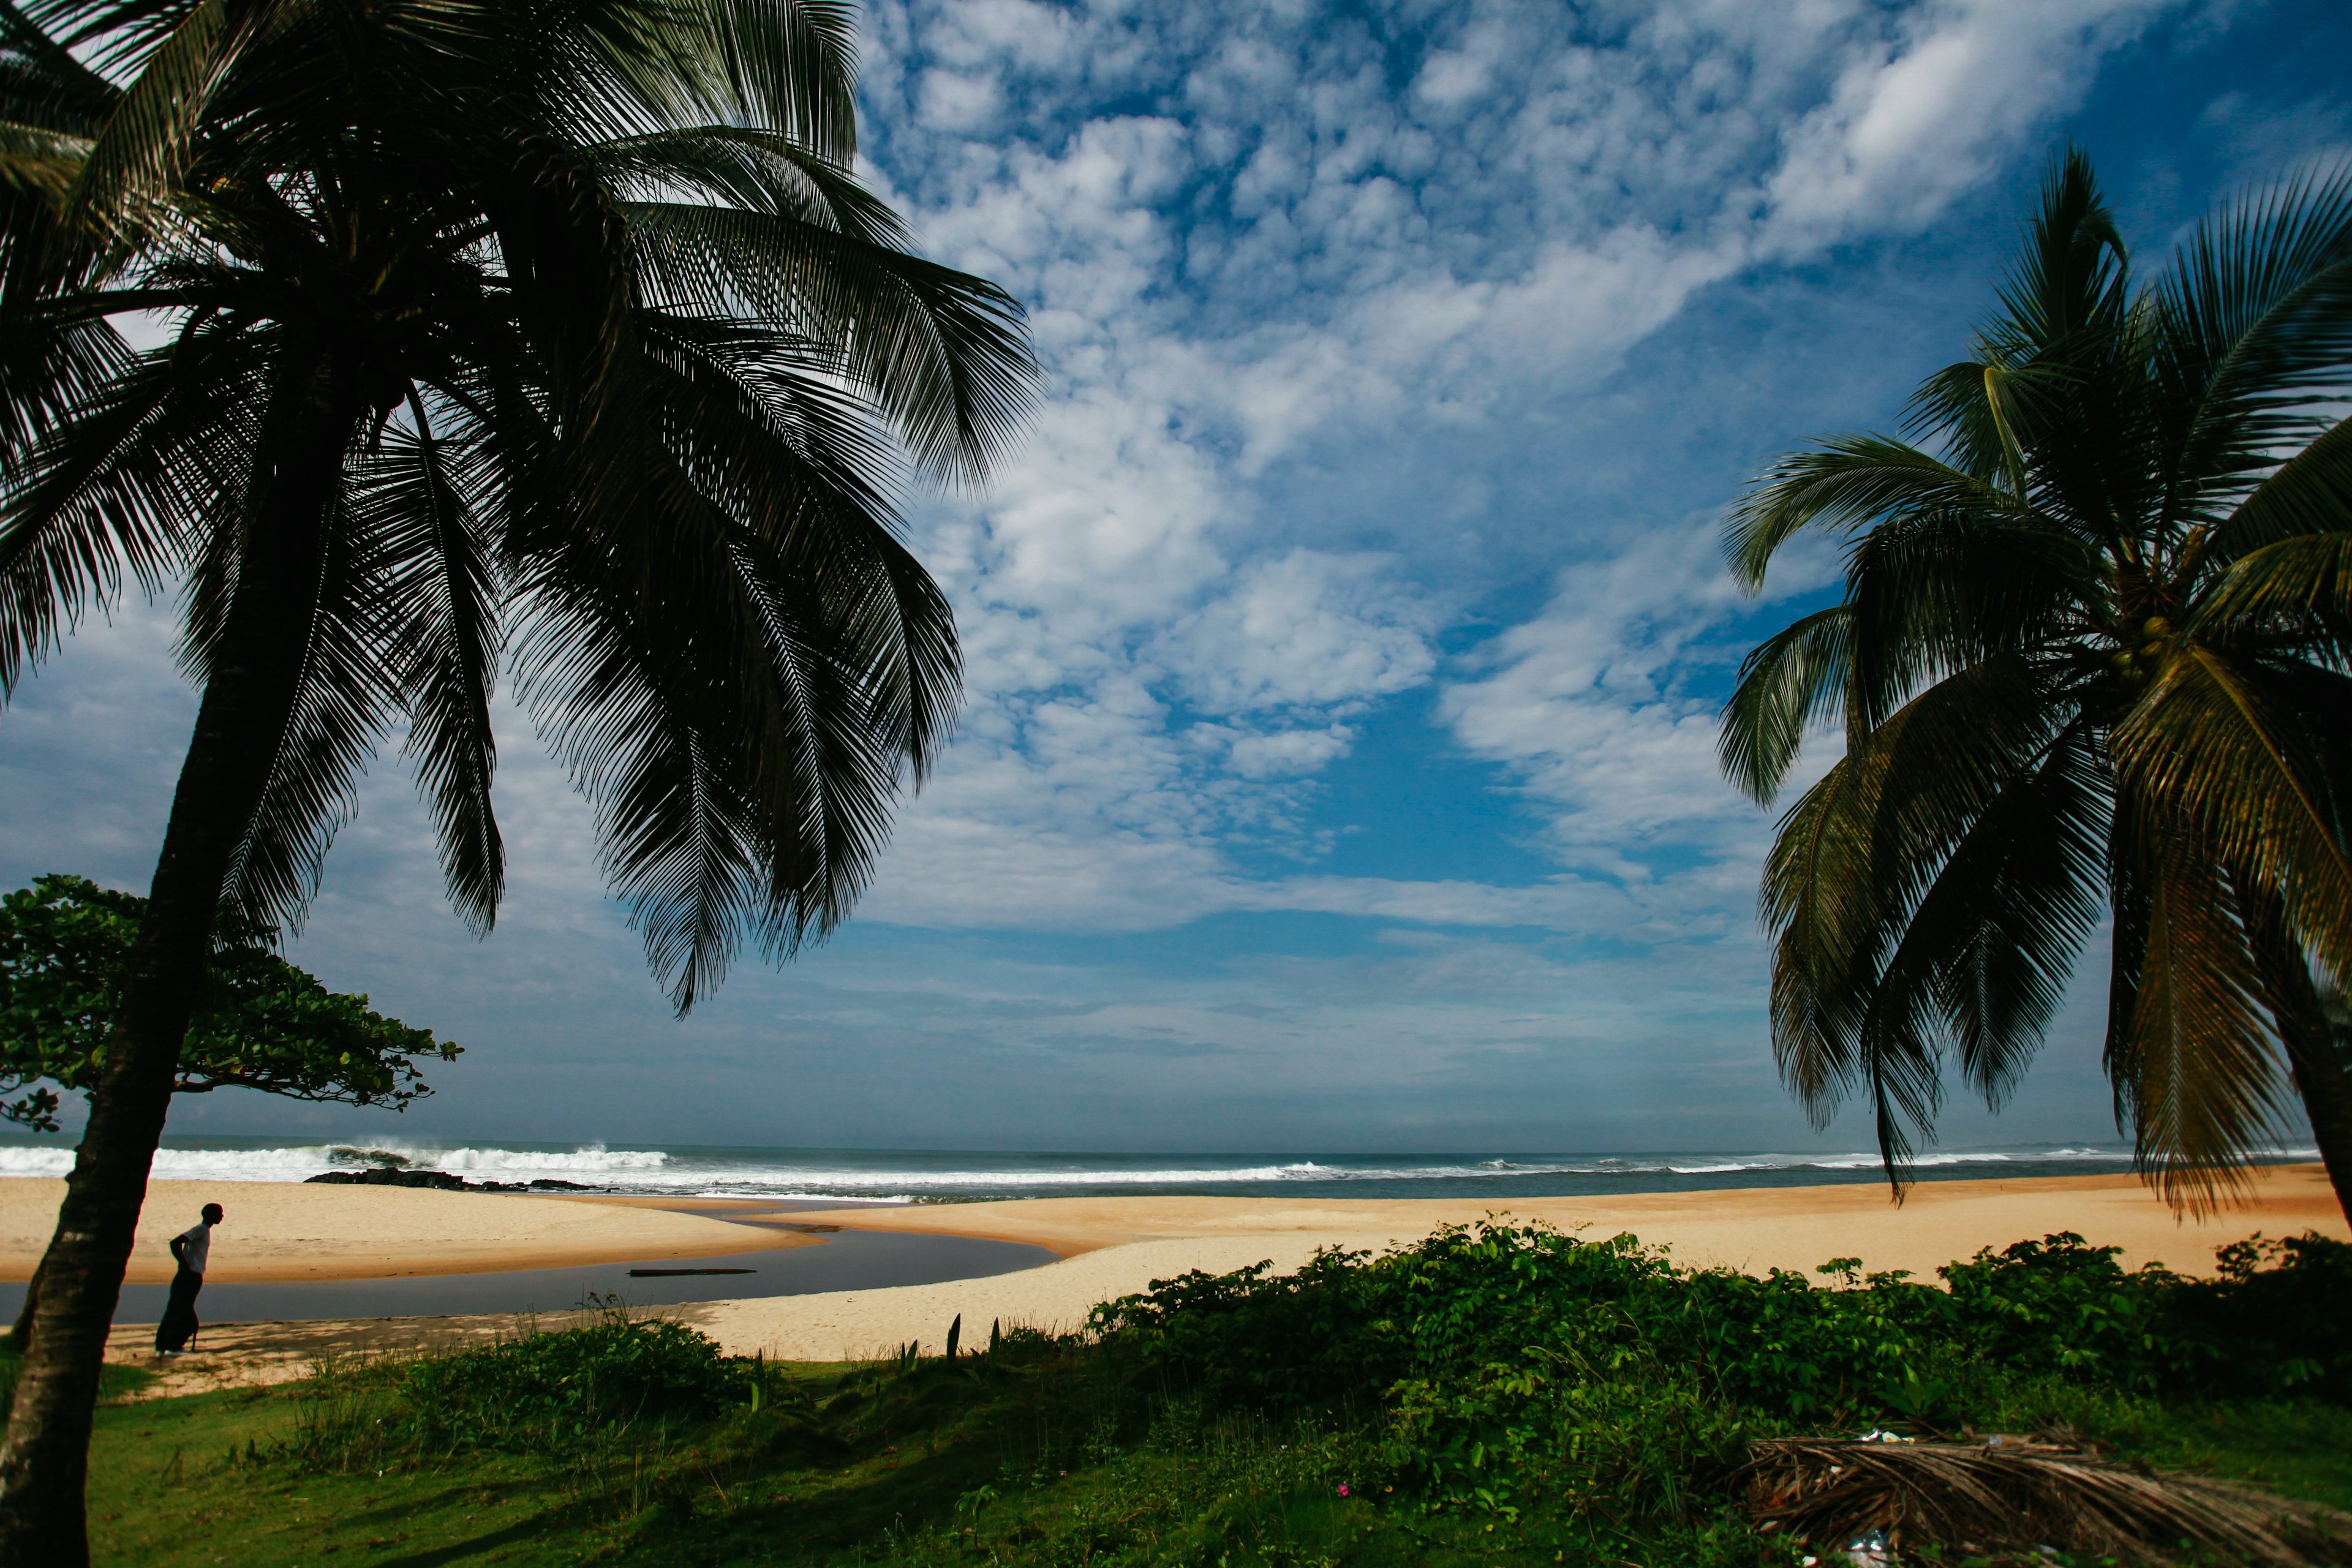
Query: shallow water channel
point(846, 1260)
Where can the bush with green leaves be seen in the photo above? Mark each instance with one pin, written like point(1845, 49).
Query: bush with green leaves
point(1504, 1363)
point(618, 1371)
point(1348, 1325)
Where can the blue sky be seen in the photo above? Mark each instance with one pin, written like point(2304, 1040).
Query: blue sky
point(1337, 769)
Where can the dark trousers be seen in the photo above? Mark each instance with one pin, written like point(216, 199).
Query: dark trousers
point(179, 1324)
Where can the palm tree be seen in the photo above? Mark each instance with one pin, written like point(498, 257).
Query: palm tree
point(2090, 660)
point(549, 331)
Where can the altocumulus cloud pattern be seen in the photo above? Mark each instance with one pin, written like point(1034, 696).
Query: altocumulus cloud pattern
point(1343, 648)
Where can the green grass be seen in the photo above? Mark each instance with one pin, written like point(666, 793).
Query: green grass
point(114, 1383)
point(940, 1466)
point(1028, 1463)
point(951, 1472)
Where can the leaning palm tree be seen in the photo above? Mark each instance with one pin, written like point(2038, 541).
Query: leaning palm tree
point(2090, 660)
point(549, 333)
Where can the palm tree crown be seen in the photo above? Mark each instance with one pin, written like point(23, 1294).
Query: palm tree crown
point(613, 362)
point(2090, 661)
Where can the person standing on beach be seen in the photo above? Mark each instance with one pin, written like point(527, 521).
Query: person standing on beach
point(190, 1249)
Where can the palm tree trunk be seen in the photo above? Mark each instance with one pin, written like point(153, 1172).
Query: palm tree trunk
point(2310, 1041)
point(245, 709)
point(2327, 1101)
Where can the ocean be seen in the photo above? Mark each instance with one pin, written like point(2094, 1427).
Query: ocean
point(901, 1176)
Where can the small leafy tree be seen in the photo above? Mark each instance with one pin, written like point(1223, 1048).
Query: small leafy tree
point(259, 1023)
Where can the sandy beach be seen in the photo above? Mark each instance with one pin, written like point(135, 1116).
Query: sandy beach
point(1749, 1228)
point(299, 1231)
point(1109, 1247)
point(1114, 1247)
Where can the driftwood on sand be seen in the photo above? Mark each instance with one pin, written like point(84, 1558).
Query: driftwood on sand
point(2009, 1497)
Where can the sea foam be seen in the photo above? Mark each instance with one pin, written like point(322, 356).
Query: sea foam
point(885, 1176)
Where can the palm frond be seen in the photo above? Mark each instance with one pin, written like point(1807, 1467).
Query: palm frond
point(2298, 586)
point(136, 154)
point(43, 84)
point(109, 493)
point(2222, 746)
point(1816, 901)
point(1857, 852)
point(789, 68)
point(943, 354)
point(50, 371)
point(620, 68)
point(799, 464)
point(328, 671)
point(2254, 332)
point(2195, 1068)
point(1978, 1499)
point(1849, 482)
point(1793, 679)
point(1983, 960)
point(2071, 279)
point(743, 778)
point(1933, 592)
point(419, 495)
point(2310, 493)
point(759, 172)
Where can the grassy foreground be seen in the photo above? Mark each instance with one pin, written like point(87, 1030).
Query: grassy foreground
point(1499, 1395)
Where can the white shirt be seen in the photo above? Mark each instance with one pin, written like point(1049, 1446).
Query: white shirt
point(199, 1248)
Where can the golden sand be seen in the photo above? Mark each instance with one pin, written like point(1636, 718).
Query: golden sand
point(1114, 1247)
point(298, 1230)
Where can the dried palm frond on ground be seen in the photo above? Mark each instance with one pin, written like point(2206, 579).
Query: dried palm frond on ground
point(2017, 1496)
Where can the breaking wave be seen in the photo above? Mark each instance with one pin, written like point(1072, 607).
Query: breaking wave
point(901, 1178)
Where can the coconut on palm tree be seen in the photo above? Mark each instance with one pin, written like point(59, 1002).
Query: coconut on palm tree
point(2090, 663)
point(554, 334)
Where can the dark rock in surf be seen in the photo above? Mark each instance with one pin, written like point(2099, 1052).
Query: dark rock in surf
point(384, 1177)
point(441, 1181)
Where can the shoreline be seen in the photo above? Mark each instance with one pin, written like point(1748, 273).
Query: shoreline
point(287, 1233)
point(1117, 1247)
point(1749, 1228)
point(1109, 1248)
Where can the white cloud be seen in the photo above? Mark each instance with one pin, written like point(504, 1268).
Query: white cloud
point(1919, 117)
point(1281, 257)
point(1321, 296)
point(1288, 753)
point(1300, 629)
point(1246, 249)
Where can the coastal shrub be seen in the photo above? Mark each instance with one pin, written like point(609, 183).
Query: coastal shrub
point(1503, 1364)
point(1347, 1327)
point(2272, 1322)
point(618, 1370)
